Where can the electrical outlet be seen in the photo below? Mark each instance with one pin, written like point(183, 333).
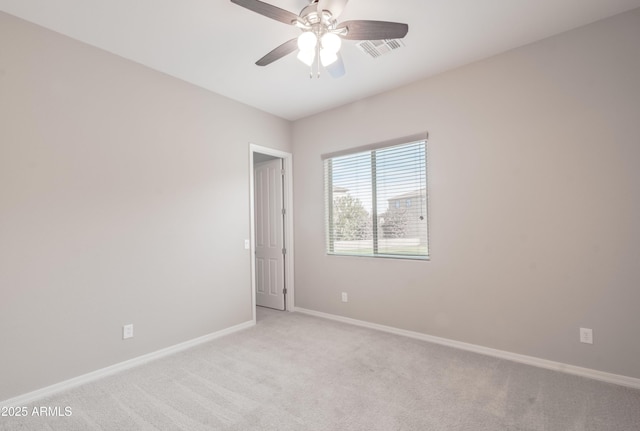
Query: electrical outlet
point(345, 297)
point(586, 335)
point(127, 331)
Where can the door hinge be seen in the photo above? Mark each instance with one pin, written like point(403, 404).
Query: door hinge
point(282, 172)
point(284, 290)
point(284, 211)
point(284, 251)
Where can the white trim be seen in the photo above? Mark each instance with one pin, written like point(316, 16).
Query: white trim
point(617, 379)
point(288, 224)
point(424, 136)
point(30, 397)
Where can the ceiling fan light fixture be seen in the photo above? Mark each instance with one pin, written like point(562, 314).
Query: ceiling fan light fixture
point(328, 57)
point(307, 56)
point(331, 42)
point(307, 41)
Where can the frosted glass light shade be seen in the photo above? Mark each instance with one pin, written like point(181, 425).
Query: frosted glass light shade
point(307, 41)
point(328, 57)
point(331, 42)
point(307, 56)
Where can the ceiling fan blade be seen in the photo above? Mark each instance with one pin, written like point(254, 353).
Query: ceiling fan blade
point(284, 49)
point(268, 10)
point(334, 6)
point(374, 30)
point(336, 69)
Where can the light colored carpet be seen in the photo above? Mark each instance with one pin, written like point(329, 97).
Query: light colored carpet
point(297, 372)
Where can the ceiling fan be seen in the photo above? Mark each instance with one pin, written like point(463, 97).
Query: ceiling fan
point(322, 34)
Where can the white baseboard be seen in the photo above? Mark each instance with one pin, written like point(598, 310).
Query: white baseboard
point(30, 397)
point(617, 379)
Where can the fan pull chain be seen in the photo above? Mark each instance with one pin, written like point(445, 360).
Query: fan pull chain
point(318, 58)
point(316, 63)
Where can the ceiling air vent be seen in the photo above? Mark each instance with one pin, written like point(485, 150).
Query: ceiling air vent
point(376, 48)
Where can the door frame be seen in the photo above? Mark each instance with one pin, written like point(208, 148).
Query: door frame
point(287, 199)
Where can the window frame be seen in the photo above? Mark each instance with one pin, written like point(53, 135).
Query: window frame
point(329, 198)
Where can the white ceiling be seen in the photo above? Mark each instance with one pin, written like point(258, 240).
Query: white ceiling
point(215, 43)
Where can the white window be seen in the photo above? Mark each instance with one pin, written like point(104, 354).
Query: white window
point(363, 192)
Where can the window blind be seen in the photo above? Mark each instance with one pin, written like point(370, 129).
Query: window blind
point(376, 202)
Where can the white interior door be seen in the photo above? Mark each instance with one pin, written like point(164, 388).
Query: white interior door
point(269, 242)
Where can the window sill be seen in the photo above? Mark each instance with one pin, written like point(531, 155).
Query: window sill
point(382, 256)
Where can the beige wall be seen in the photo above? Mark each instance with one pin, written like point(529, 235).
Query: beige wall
point(124, 198)
point(534, 202)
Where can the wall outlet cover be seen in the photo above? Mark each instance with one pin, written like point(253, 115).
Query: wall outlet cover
point(586, 335)
point(127, 331)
